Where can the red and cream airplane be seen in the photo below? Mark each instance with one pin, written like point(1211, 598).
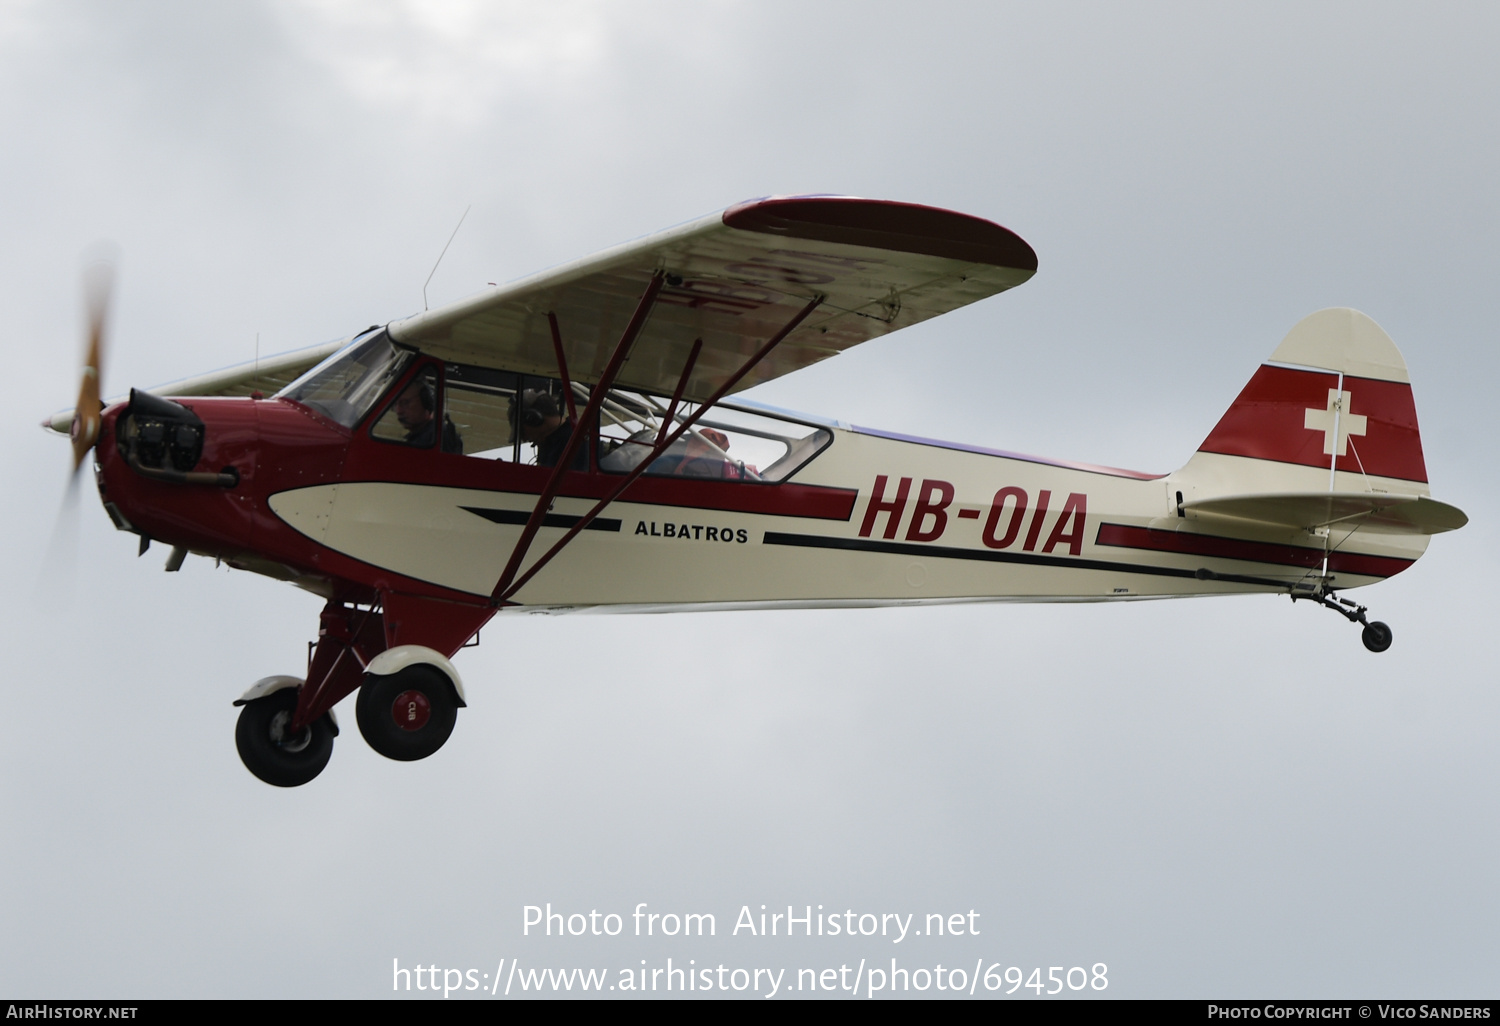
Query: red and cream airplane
point(569, 441)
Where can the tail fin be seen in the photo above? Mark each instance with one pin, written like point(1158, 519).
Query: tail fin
point(1321, 449)
point(1331, 410)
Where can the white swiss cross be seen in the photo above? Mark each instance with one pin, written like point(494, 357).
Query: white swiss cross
point(1323, 420)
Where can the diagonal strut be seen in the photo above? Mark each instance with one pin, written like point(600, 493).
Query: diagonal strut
point(562, 366)
point(580, 429)
point(503, 594)
point(687, 372)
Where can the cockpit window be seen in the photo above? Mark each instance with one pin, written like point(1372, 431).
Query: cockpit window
point(727, 444)
point(345, 386)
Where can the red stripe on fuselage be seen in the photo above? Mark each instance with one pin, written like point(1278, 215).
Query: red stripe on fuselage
point(1268, 421)
point(376, 461)
point(1123, 536)
point(1366, 566)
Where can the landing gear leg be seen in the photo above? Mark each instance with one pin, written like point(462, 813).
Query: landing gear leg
point(1376, 635)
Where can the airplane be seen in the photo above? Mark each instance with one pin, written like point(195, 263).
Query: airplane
point(570, 440)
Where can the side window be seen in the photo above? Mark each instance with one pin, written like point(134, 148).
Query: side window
point(726, 444)
point(496, 415)
point(480, 404)
point(414, 416)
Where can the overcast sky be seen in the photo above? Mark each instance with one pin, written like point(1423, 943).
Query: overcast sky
point(1214, 798)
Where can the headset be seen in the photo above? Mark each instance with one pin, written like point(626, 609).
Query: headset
point(536, 407)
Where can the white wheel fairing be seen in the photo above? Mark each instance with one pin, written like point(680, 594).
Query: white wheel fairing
point(394, 660)
point(270, 685)
point(266, 686)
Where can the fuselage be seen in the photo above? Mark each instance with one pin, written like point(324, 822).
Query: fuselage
point(870, 519)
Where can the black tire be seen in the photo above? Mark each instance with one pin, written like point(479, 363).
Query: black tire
point(384, 726)
point(266, 749)
point(1376, 636)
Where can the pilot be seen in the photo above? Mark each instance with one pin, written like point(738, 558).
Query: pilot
point(544, 426)
point(415, 409)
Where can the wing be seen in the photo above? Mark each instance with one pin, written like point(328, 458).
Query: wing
point(734, 279)
point(267, 375)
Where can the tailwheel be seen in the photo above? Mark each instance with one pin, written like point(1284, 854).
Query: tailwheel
point(275, 753)
point(407, 715)
point(1376, 636)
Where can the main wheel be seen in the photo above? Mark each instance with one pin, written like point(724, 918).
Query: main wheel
point(409, 714)
point(1376, 636)
point(270, 750)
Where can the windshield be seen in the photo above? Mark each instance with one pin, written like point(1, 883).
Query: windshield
point(345, 386)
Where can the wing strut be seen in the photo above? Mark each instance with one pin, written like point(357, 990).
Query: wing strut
point(562, 366)
point(687, 372)
point(606, 380)
point(502, 593)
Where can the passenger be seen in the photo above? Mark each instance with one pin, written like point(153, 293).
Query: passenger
point(628, 454)
point(414, 410)
point(707, 456)
point(544, 426)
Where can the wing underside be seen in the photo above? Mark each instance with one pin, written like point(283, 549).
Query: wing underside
point(734, 279)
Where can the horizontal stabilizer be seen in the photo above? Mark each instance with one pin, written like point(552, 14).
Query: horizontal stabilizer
point(1377, 512)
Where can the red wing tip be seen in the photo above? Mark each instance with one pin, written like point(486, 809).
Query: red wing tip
point(885, 224)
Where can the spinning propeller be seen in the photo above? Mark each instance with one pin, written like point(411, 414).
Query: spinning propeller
point(86, 412)
point(58, 565)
